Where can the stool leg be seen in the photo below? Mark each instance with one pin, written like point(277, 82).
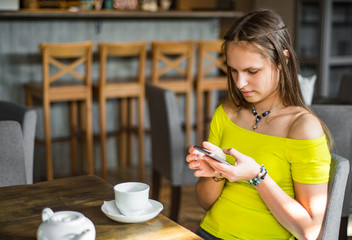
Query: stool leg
point(49, 160)
point(131, 124)
point(83, 139)
point(102, 117)
point(86, 126)
point(73, 106)
point(123, 133)
point(206, 121)
point(89, 135)
point(141, 137)
point(200, 115)
point(29, 98)
point(188, 118)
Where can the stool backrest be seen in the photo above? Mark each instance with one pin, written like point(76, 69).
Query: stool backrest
point(123, 50)
point(66, 57)
point(211, 63)
point(173, 62)
point(172, 68)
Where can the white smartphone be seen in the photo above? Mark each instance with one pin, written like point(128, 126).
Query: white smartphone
point(210, 154)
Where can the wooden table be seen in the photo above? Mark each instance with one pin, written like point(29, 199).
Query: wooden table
point(21, 207)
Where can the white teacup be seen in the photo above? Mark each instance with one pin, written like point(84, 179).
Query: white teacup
point(132, 198)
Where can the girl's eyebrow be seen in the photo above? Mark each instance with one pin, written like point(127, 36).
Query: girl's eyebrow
point(246, 69)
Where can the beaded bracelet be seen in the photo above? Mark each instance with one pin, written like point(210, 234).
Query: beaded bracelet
point(216, 179)
point(260, 177)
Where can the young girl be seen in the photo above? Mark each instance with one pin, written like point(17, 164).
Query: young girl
point(276, 187)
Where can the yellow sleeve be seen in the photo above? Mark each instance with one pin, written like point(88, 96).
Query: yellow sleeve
point(310, 160)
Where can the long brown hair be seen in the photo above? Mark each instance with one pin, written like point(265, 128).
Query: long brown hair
point(267, 32)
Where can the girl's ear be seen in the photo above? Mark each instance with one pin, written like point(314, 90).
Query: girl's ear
point(287, 55)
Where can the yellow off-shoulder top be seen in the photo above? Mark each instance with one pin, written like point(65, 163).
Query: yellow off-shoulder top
point(240, 213)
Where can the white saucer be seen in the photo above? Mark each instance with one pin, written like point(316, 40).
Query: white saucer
point(115, 214)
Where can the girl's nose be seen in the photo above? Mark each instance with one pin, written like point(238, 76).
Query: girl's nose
point(241, 81)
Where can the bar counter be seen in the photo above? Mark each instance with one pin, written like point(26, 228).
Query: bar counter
point(116, 14)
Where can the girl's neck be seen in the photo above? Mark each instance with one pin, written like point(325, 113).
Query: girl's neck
point(268, 103)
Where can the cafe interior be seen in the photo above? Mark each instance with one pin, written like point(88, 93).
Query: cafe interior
point(94, 93)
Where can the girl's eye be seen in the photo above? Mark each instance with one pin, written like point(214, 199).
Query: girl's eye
point(233, 70)
point(252, 71)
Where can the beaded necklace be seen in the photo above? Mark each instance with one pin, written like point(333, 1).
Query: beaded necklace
point(258, 117)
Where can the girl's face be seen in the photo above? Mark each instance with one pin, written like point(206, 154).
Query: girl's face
point(255, 76)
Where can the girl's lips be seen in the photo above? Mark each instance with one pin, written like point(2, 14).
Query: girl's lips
point(247, 93)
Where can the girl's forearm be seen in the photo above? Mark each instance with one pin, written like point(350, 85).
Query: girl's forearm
point(208, 191)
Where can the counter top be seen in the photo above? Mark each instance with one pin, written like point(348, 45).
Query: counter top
point(56, 13)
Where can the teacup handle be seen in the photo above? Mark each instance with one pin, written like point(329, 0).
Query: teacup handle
point(46, 214)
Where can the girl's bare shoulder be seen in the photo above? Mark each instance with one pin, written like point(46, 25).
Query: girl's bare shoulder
point(304, 124)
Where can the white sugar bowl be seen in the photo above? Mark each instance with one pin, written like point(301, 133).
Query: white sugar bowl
point(65, 225)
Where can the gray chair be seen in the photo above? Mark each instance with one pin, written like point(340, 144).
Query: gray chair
point(338, 119)
point(339, 170)
point(12, 170)
point(27, 118)
point(168, 145)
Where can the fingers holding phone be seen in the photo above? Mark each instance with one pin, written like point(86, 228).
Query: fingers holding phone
point(206, 166)
point(196, 161)
point(210, 154)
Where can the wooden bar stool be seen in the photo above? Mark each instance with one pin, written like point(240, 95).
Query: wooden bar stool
point(211, 75)
point(127, 90)
point(58, 60)
point(172, 68)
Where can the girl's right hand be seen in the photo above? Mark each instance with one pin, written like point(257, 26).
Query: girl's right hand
point(198, 162)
